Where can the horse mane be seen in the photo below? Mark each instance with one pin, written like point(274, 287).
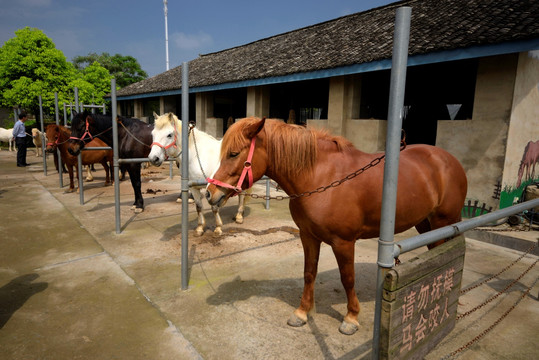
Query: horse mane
point(164, 120)
point(292, 149)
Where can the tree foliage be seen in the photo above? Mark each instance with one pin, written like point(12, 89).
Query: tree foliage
point(125, 69)
point(30, 66)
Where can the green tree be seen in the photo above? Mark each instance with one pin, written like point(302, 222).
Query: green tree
point(93, 84)
point(125, 69)
point(30, 65)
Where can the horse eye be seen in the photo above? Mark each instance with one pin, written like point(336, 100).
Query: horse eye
point(234, 154)
point(169, 136)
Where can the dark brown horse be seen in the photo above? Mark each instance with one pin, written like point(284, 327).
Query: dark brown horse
point(134, 139)
point(58, 137)
point(431, 191)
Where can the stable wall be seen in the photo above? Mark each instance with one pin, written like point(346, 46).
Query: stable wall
point(480, 143)
point(523, 127)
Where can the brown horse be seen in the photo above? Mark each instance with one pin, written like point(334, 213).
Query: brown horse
point(529, 158)
point(58, 137)
point(432, 187)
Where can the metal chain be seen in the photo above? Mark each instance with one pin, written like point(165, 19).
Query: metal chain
point(321, 189)
point(464, 291)
point(487, 330)
point(498, 294)
point(500, 230)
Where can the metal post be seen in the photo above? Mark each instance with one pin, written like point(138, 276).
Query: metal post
point(185, 176)
point(79, 167)
point(115, 154)
point(42, 142)
point(76, 101)
point(267, 193)
point(60, 164)
point(391, 169)
point(65, 115)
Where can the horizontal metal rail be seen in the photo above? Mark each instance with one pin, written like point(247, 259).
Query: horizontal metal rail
point(452, 230)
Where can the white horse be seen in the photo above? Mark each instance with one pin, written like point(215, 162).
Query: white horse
point(204, 153)
point(6, 135)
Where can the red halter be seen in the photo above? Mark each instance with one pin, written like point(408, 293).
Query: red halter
point(246, 171)
point(55, 142)
point(172, 144)
point(87, 132)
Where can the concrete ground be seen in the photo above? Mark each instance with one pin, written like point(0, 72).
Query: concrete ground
point(71, 288)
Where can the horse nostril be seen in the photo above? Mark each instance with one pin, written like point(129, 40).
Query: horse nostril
point(208, 195)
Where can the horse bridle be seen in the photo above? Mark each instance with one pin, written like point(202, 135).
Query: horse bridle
point(86, 133)
point(173, 143)
point(247, 171)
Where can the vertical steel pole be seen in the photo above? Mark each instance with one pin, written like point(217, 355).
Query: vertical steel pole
point(185, 176)
point(42, 128)
point(76, 101)
point(60, 164)
point(391, 169)
point(267, 193)
point(65, 115)
point(115, 154)
point(81, 185)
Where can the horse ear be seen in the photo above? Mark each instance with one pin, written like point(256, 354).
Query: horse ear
point(155, 116)
point(251, 130)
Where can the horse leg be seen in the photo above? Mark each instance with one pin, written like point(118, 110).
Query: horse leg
point(197, 196)
point(134, 176)
point(71, 182)
point(311, 251)
point(241, 208)
point(89, 176)
point(344, 253)
point(218, 222)
point(106, 167)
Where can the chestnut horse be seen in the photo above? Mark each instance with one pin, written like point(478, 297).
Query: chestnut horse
point(58, 137)
point(432, 187)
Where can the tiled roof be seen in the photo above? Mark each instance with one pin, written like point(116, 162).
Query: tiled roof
point(364, 37)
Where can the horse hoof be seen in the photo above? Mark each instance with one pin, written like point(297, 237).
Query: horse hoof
point(238, 219)
point(217, 232)
point(138, 210)
point(199, 231)
point(70, 191)
point(89, 179)
point(347, 328)
point(296, 321)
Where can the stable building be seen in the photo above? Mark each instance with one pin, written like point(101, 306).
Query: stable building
point(472, 85)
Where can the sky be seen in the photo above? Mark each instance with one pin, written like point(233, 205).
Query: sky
point(137, 27)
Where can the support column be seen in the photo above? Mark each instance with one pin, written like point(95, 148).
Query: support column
point(138, 109)
point(343, 102)
point(258, 101)
point(204, 109)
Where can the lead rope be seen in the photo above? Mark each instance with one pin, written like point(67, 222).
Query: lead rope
point(192, 130)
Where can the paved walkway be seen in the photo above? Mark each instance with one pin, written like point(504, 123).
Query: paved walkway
point(71, 288)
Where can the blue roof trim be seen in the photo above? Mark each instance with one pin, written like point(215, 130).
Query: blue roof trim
point(436, 57)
